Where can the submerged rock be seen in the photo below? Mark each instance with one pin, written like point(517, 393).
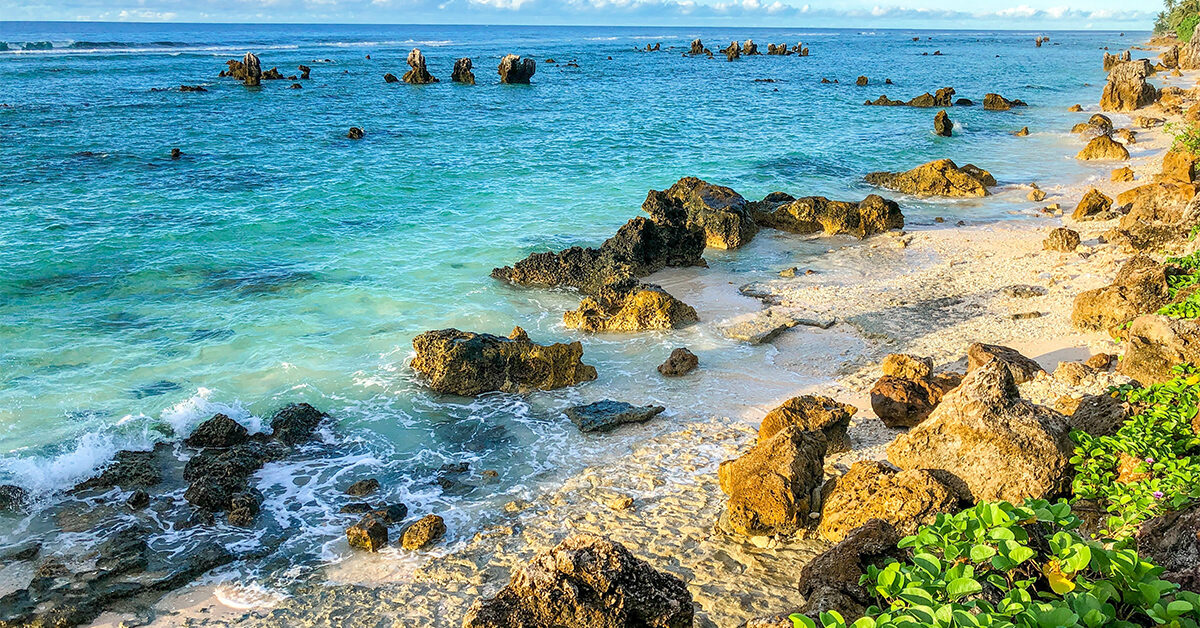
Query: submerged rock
point(817, 214)
point(390, 78)
point(219, 431)
point(586, 581)
point(936, 178)
point(363, 487)
point(514, 69)
point(606, 415)
point(812, 413)
point(771, 487)
point(680, 362)
point(462, 72)
point(128, 470)
point(630, 305)
point(418, 74)
point(759, 327)
point(469, 364)
point(874, 490)
point(12, 497)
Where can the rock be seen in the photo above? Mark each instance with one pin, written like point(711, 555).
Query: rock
point(1172, 541)
point(1071, 373)
point(817, 214)
point(244, 507)
point(422, 532)
point(514, 69)
point(1127, 88)
point(12, 497)
point(606, 415)
point(252, 70)
point(390, 78)
point(1148, 122)
point(1101, 361)
point(1093, 204)
point(1022, 368)
point(219, 431)
point(680, 362)
point(370, 534)
point(176, 154)
point(874, 490)
point(1180, 166)
point(1062, 240)
point(304, 72)
point(1139, 287)
point(907, 366)
point(996, 102)
point(1159, 202)
point(138, 500)
point(718, 210)
point(1099, 415)
point(1021, 291)
point(771, 487)
point(417, 73)
point(862, 81)
point(697, 47)
point(629, 305)
point(1036, 194)
point(362, 488)
point(462, 72)
point(830, 582)
point(905, 402)
point(356, 508)
point(982, 434)
point(128, 470)
point(1156, 344)
point(1075, 108)
point(811, 413)
point(1122, 174)
point(1126, 136)
point(608, 588)
point(469, 364)
point(764, 326)
point(1022, 132)
point(295, 423)
point(1103, 147)
point(392, 513)
point(217, 476)
point(355, 133)
point(936, 178)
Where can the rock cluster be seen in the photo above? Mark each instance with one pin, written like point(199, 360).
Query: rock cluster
point(909, 391)
point(1139, 287)
point(469, 364)
point(817, 214)
point(944, 97)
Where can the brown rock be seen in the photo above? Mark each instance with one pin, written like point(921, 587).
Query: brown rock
point(468, 364)
point(1139, 287)
point(817, 214)
point(680, 362)
point(1101, 361)
point(1159, 202)
point(514, 69)
point(811, 412)
point(1093, 204)
point(1122, 174)
point(370, 534)
point(907, 366)
point(1061, 239)
point(462, 72)
point(942, 124)
point(996, 102)
point(1157, 344)
point(1072, 373)
point(1127, 88)
point(1022, 368)
point(422, 532)
point(630, 305)
point(874, 490)
point(1099, 415)
point(417, 74)
point(936, 178)
point(1172, 541)
point(1103, 147)
point(830, 582)
point(1180, 166)
point(771, 487)
point(902, 402)
point(718, 210)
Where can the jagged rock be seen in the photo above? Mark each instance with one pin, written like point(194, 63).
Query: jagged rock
point(830, 582)
point(363, 487)
point(219, 431)
point(514, 69)
point(905, 401)
point(680, 362)
point(295, 423)
point(462, 72)
point(1099, 415)
point(630, 305)
point(1139, 287)
point(996, 102)
point(272, 75)
point(1103, 147)
point(304, 72)
point(874, 490)
point(217, 475)
point(1022, 132)
point(1127, 88)
point(138, 500)
point(936, 178)
point(943, 98)
point(469, 364)
point(1111, 61)
point(770, 487)
point(984, 436)
point(749, 48)
point(721, 212)
point(697, 47)
point(812, 413)
point(1036, 194)
point(1062, 240)
point(1156, 344)
point(418, 74)
point(370, 534)
point(1159, 202)
point(586, 581)
point(422, 532)
point(1022, 368)
point(1180, 166)
point(942, 124)
point(390, 78)
point(355, 133)
point(1172, 541)
point(606, 415)
point(249, 72)
point(1093, 205)
point(862, 81)
point(128, 470)
point(813, 214)
point(244, 507)
point(1122, 174)
point(733, 52)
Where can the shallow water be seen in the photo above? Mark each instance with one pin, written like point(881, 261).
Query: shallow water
point(279, 262)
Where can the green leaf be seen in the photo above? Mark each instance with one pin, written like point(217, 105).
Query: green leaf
point(980, 553)
point(962, 587)
point(802, 621)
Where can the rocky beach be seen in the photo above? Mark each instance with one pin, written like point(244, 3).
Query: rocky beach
point(922, 363)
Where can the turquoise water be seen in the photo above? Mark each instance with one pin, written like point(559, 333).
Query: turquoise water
point(278, 261)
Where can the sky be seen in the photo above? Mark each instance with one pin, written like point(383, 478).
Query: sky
point(982, 14)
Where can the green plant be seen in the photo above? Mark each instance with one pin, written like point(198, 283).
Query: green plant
point(1022, 566)
point(1186, 137)
point(1186, 27)
point(1185, 273)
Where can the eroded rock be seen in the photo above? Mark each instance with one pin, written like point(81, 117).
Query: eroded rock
point(936, 178)
point(469, 364)
point(812, 413)
point(874, 490)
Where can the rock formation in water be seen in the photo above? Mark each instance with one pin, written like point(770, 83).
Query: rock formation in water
point(417, 73)
point(628, 305)
point(936, 178)
point(514, 69)
point(817, 214)
point(469, 364)
point(942, 124)
point(996, 102)
point(462, 72)
point(721, 212)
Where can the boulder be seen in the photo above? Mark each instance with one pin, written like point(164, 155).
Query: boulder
point(462, 72)
point(1022, 368)
point(990, 443)
point(942, 124)
point(128, 470)
point(216, 476)
point(417, 73)
point(936, 178)
point(355, 133)
point(697, 47)
point(996, 102)
point(362, 488)
point(586, 581)
point(907, 366)
point(1127, 89)
point(422, 532)
point(1156, 345)
point(629, 305)
point(252, 70)
point(811, 413)
point(219, 431)
point(874, 490)
point(830, 582)
point(469, 364)
point(817, 214)
point(390, 78)
point(1159, 202)
point(304, 72)
point(606, 415)
point(680, 362)
point(905, 402)
point(1099, 415)
point(1122, 174)
point(1172, 541)
point(1062, 240)
point(1103, 147)
point(295, 423)
point(1139, 287)
point(771, 487)
point(1093, 204)
point(514, 69)
point(1180, 166)
point(370, 534)
point(721, 212)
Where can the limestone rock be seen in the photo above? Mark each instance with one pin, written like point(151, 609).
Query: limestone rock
point(514, 69)
point(1103, 147)
point(813, 214)
point(1022, 368)
point(1122, 174)
point(1093, 204)
point(370, 534)
point(721, 212)
point(907, 366)
point(812, 413)
point(606, 415)
point(942, 124)
point(936, 178)
point(874, 490)
point(680, 362)
point(1156, 344)
point(1180, 166)
point(252, 69)
point(417, 74)
point(905, 402)
point(1099, 415)
point(830, 582)
point(771, 487)
point(1061, 239)
point(996, 102)
point(462, 72)
point(1127, 88)
point(1139, 287)
point(469, 364)
point(630, 305)
point(422, 532)
point(1159, 202)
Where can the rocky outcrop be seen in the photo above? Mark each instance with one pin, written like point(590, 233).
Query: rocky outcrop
point(874, 490)
point(1180, 165)
point(305, 71)
point(817, 214)
point(295, 423)
point(417, 73)
point(12, 497)
point(1022, 368)
point(422, 532)
point(586, 581)
point(1061, 239)
point(629, 305)
point(219, 431)
point(944, 97)
point(771, 487)
point(607, 414)
point(514, 69)
point(1161, 202)
point(988, 442)
point(1104, 147)
point(830, 582)
point(721, 212)
point(469, 364)
point(909, 391)
point(462, 72)
point(1093, 206)
point(355, 133)
point(811, 413)
point(248, 70)
point(1127, 88)
point(996, 102)
point(936, 178)
point(942, 125)
point(1172, 541)
point(680, 362)
point(1139, 287)
point(1189, 55)
point(1155, 345)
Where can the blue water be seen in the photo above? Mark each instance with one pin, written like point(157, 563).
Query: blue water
point(278, 261)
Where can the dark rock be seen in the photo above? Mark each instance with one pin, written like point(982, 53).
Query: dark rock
point(1172, 541)
point(128, 470)
point(390, 78)
point(942, 124)
point(244, 507)
point(176, 154)
point(304, 71)
point(24, 551)
point(468, 364)
point(355, 133)
point(219, 431)
point(862, 81)
point(422, 532)
point(811, 413)
point(417, 73)
point(138, 500)
point(514, 69)
point(192, 88)
point(1099, 415)
point(370, 534)
point(392, 513)
point(606, 415)
point(295, 423)
point(462, 72)
point(830, 582)
point(363, 487)
point(680, 362)
point(356, 508)
point(12, 497)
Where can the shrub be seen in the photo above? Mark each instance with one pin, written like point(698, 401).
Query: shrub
point(1186, 27)
point(1186, 274)
point(1186, 137)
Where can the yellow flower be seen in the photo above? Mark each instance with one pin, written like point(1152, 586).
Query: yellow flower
point(1059, 582)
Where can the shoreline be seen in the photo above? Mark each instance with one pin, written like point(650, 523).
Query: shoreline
point(936, 310)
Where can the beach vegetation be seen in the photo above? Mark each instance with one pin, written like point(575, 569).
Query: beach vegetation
point(1179, 17)
point(1186, 137)
point(1182, 283)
